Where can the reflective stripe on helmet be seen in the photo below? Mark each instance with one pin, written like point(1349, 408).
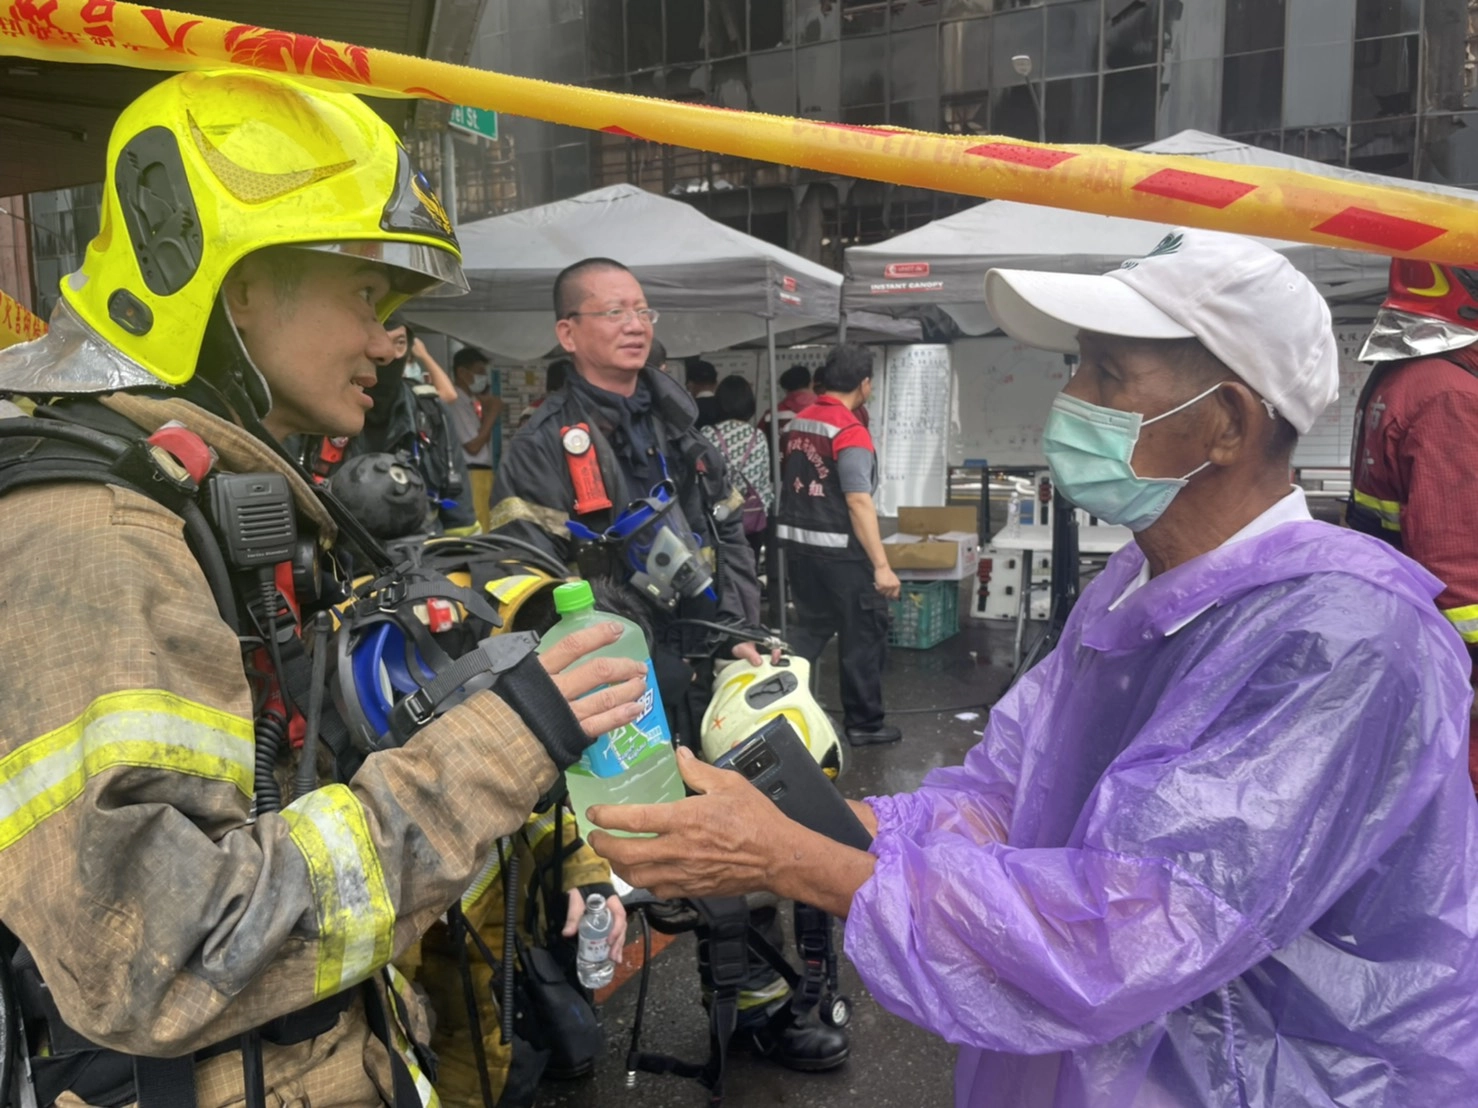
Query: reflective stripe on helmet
point(145, 727)
point(356, 920)
point(1465, 619)
point(1388, 510)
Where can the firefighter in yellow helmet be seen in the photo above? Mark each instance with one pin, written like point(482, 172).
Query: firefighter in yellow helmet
point(196, 924)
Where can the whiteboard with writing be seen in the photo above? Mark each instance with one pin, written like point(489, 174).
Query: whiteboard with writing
point(916, 427)
point(1005, 392)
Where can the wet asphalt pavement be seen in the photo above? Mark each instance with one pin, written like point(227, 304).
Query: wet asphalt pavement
point(892, 1062)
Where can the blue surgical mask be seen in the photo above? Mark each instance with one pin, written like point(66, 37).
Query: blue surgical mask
point(1089, 448)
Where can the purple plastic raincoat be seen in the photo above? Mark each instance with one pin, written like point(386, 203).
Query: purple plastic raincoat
point(1233, 864)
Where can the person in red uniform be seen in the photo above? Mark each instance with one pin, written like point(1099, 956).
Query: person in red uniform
point(1414, 460)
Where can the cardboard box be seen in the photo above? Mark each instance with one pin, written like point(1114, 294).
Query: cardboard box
point(934, 544)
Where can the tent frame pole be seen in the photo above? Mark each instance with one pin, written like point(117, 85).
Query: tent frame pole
point(842, 327)
point(777, 559)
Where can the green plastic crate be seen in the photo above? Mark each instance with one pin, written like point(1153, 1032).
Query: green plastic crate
point(925, 614)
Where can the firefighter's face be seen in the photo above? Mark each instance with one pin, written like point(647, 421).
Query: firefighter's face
point(317, 344)
point(399, 342)
point(608, 336)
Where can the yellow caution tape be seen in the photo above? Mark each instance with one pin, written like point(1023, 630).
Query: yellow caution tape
point(1273, 203)
point(16, 323)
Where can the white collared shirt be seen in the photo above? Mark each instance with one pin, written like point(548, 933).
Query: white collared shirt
point(1293, 508)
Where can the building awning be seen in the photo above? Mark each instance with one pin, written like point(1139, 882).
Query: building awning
point(55, 117)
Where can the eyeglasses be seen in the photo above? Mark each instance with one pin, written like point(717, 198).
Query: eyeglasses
point(623, 316)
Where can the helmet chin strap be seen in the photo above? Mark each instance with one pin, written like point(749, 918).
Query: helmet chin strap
point(224, 361)
point(236, 388)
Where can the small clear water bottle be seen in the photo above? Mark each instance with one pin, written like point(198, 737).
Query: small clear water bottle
point(1013, 515)
point(593, 962)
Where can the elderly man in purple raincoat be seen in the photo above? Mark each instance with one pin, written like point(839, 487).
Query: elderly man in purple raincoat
point(1219, 848)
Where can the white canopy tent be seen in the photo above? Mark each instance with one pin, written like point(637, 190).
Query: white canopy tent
point(715, 287)
point(942, 265)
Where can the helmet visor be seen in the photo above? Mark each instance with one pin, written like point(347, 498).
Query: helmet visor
point(416, 268)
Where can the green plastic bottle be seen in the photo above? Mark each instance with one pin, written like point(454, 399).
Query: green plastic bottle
point(635, 763)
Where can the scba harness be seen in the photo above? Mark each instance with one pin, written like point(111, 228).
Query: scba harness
point(268, 582)
point(731, 943)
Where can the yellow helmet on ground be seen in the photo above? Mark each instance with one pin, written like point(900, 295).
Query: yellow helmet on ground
point(746, 697)
point(206, 168)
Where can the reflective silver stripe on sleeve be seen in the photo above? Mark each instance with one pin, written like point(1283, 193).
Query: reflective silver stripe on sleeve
point(356, 920)
point(814, 427)
point(146, 728)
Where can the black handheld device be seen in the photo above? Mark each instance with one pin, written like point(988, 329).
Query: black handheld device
point(778, 764)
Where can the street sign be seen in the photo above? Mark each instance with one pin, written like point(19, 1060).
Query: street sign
point(474, 121)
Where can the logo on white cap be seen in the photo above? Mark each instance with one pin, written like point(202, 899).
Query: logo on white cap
point(1170, 244)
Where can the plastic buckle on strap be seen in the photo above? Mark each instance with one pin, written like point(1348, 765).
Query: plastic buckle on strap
point(153, 469)
point(503, 652)
point(391, 596)
point(419, 707)
point(494, 656)
point(186, 448)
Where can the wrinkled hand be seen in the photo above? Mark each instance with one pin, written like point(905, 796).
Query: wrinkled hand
point(617, 944)
point(613, 705)
point(724, 842)
point(886, 582)
point(749, 652)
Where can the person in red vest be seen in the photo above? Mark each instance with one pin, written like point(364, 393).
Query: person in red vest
point(839, 574)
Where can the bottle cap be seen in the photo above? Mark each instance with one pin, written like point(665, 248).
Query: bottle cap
point(574, 596)
point(594, 902)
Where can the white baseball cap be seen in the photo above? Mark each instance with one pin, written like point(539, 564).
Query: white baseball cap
point(1246, 303)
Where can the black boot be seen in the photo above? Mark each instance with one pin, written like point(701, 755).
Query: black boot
point(870, 736)
point(807, 1044)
